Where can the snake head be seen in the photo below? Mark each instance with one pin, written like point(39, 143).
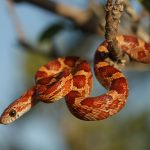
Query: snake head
point(19, 107)
point(10, 114)
point(15, 110)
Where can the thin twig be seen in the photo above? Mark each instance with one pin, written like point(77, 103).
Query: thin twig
point(135, 22)
point(15, 20)
point(21, 38)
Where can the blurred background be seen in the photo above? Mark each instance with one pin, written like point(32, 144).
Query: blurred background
point(40, 33)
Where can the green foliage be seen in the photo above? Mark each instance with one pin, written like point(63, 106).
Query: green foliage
point(50, 31)
point(146, 4)
point(127, 134)
point(33, 62)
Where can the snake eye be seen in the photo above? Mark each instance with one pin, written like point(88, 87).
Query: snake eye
point(12, 113)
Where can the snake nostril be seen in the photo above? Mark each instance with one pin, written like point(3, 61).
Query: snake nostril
point(12, 113)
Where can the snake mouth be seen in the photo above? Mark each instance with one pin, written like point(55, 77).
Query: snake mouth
point(3, 121)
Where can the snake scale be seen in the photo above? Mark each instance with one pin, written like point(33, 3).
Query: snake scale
point(71, 77)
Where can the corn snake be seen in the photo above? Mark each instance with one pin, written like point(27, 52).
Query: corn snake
point(71, 77)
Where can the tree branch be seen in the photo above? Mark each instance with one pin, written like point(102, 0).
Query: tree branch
point(74, 14)
point(90, 20)
point(113, 14)
point(84, 19)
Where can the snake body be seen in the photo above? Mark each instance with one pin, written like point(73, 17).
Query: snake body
point(71, 77)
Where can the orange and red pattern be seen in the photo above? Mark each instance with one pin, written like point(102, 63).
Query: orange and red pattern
point(71, 77)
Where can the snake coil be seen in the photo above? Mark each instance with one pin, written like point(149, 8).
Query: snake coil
point(71, 77)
